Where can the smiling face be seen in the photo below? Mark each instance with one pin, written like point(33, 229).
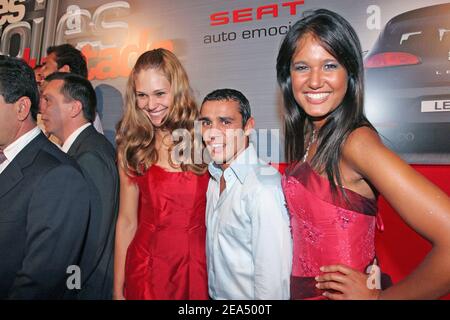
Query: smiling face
point(319, 81)
point(153, 95)
point(222, 130)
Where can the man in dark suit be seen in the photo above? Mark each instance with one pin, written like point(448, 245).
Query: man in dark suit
point(68, 109)
point(44, 199)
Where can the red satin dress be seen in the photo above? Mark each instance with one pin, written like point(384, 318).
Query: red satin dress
point(326, 230)
point(166, 259)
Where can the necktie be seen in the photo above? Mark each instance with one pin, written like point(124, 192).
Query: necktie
point(2, 157)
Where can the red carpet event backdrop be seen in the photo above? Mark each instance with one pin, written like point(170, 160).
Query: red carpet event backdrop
point(406, 48)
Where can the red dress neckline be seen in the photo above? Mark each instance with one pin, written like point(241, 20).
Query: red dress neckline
point(320, 186)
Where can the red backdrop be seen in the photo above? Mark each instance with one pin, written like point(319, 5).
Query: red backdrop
point(399, 248)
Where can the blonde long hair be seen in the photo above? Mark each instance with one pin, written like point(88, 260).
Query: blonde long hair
point(136, 134)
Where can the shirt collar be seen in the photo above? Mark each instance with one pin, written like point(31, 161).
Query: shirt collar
point(71, 139)
point(215, 170)
point(14, 148)
point(240, 166)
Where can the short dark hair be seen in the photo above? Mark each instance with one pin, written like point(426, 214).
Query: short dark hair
point(66, 54)
point(233, 95)
point(77, 88)
point(17, 80)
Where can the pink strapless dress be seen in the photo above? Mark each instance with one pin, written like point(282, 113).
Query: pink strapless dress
point(326, 230)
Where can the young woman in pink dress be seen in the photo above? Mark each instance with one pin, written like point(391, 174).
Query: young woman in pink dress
point(160, 233)
point(339, 165)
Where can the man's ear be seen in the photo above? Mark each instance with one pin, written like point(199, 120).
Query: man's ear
point(249, 126)
point(64, 68)
point(76, 108)
point(22, 107)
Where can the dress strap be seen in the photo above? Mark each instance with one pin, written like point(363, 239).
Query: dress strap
point(380, 224)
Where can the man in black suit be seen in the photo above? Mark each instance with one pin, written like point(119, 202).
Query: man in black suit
point(44, 199)
point(68, 109)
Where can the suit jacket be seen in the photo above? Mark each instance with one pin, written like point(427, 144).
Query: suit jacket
point(96, 157)
point(44, 212)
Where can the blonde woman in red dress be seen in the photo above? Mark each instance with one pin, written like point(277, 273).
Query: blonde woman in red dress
point(160, 233)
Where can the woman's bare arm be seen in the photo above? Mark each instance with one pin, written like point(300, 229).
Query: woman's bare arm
point(125, 229)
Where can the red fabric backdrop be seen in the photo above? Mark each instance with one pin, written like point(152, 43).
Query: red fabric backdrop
point(399, 248)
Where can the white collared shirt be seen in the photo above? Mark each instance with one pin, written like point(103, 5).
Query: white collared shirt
point(98, 124)
point(14, 148)
point(71, 139)
point(249, 243)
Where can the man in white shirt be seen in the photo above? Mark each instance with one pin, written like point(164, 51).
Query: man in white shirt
point(68, 109)
point(249, 246)
point(44, 199)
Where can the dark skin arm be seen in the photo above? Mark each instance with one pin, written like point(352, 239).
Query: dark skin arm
point(422, 205)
